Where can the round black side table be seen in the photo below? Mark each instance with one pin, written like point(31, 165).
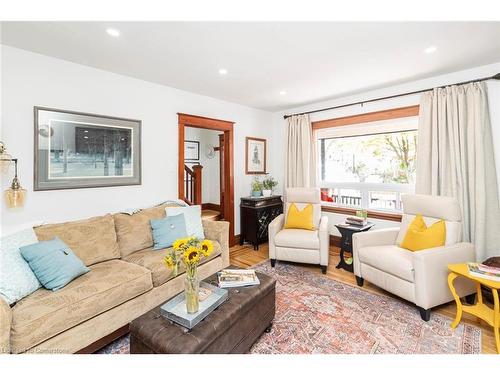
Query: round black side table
point(347, 230)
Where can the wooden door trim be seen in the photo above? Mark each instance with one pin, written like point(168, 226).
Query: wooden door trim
point(213, 124)
point(387, 114)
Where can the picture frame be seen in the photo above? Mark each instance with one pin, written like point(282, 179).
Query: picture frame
point(192, 150)
point(255, 155)
point(74, 150)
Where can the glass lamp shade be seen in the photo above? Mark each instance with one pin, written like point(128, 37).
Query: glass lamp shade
point(15, 197)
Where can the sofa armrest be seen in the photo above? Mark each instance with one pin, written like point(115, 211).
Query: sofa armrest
point(431, 273)
point(380, 237)
point(5, 323)
point(324, 241)
point(274, 227)
point(218, 231)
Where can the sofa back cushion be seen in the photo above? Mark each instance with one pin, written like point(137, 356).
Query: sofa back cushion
point(92, 240)
point(134, 231)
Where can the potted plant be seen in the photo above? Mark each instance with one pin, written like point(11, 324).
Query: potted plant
point(256, 187)
point(268, 184)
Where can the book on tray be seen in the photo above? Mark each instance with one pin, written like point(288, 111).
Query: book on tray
point(230, 278)
point(486, 272)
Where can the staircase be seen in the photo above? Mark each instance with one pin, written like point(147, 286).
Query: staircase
point(193, 192)
point(212, 215)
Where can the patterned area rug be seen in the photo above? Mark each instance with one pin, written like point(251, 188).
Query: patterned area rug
point(315, 314)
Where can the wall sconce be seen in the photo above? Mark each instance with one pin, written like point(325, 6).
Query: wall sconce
point(16, 195)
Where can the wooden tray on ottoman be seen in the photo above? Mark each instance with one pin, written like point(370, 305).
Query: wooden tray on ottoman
point(232, 328)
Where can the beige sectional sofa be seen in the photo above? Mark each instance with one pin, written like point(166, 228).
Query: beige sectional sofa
point(127, 279)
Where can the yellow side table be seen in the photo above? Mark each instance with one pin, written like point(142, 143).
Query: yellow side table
point(489, 315)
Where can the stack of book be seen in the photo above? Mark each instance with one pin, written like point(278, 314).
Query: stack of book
point(237, 278)
point(486, 272)
point(356, 220)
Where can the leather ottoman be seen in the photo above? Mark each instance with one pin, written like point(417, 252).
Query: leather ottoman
point(232, 328)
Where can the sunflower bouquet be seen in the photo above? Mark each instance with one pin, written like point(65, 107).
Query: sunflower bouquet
point(189, 251)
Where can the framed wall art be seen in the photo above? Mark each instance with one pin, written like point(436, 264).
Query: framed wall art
point(255, 156)
point(82, 150)
point(192, 150)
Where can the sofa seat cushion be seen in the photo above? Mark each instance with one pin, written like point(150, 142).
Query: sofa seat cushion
point(45, 314)
point(153, 261)
point(297, 238)
point(92, 240)
point(390, 259)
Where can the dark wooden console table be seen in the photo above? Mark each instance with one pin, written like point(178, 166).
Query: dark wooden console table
point(346, 232)
point(255, 216)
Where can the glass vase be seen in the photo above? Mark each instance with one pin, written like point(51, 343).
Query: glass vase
point(192, 289)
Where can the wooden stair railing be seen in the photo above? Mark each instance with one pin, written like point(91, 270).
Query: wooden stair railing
point(193, 184)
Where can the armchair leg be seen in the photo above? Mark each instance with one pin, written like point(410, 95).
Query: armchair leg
point(323, 269)
point(273, 262)
point(360, 281)
point(425, 314)
point(471, 299)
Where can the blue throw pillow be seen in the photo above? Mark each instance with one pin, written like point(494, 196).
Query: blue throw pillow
point(53, 263)
point(167, 230)
point(192, 215)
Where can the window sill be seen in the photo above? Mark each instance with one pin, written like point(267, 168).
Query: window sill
point(371, 214)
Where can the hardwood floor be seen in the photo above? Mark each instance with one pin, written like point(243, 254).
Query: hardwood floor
point(244, 256)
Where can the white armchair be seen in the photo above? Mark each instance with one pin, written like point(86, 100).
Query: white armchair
point(300, 245)
point(421, 276)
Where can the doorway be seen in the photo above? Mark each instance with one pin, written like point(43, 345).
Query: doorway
point(225, 151)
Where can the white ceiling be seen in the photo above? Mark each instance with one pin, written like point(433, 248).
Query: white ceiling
point(310, 61)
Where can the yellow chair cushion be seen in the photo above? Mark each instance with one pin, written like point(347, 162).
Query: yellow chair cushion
point(420, 237)
point(300, 219)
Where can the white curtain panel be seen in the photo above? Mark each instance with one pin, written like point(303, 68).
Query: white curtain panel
point(300, 153)
point(455, 158)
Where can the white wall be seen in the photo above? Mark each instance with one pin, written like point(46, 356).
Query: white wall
point(211, 170)
point(479, 72)
point(30, 79)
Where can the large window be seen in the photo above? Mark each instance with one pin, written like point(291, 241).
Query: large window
point(368, 165)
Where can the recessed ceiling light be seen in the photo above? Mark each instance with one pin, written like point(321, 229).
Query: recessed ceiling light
point(282, 92)
point(113, 32)
point(222, 71)
point(430, 49)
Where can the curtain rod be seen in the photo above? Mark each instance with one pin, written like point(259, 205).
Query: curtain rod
point(496, 77)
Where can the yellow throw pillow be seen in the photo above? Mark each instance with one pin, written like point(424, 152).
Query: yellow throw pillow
point(420, 237)
point(300, 219)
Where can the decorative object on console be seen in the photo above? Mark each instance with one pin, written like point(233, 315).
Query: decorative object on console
point(256, 187)
point(17, 280)
point(189, 251)
point(268, 185)
point(255, 216)
point(192, 216)
point(346, 231)
point(84, 150)
point(15, 195)
point(255, 155)
point(53, 263)
point(191, 150)
point(167, 229)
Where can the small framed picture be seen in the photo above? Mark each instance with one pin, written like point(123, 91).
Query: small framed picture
point(191, 150)
point(255, 160)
